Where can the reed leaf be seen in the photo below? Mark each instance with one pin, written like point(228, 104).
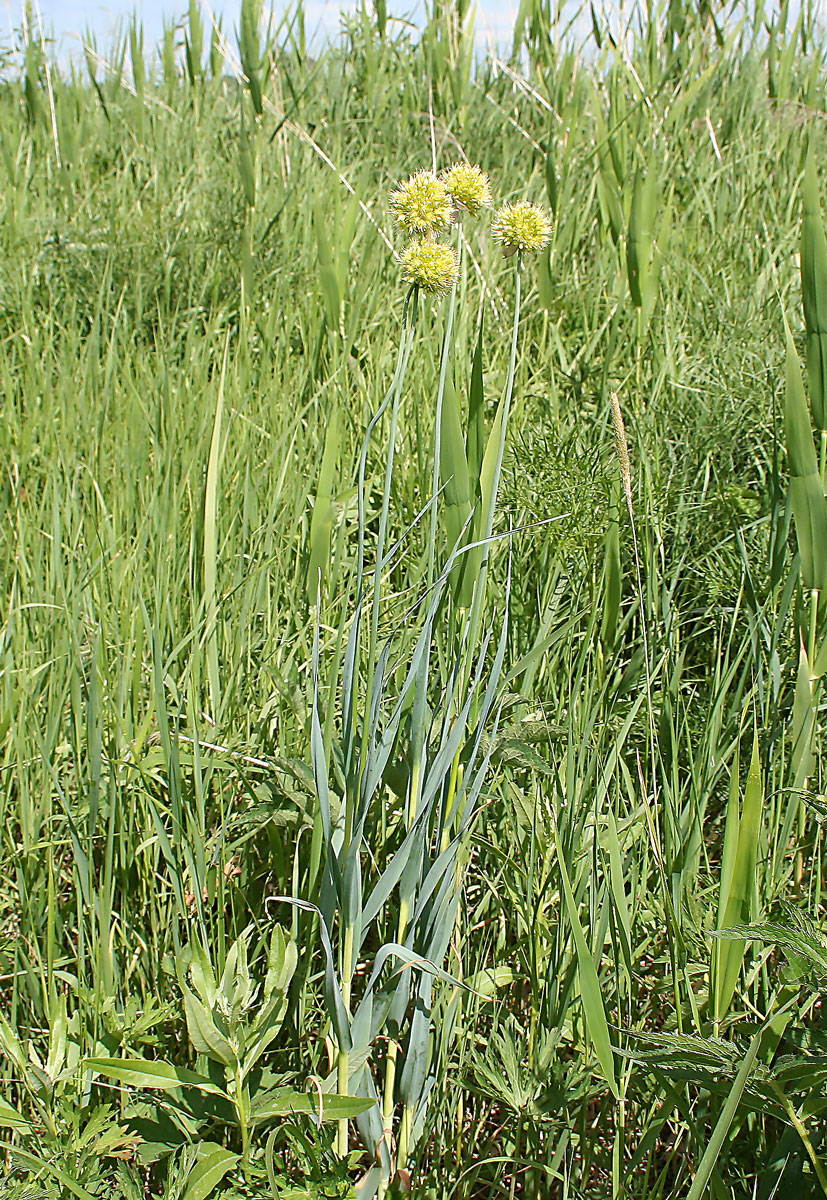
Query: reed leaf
point(640, 237)
point(814, 291)
point(806, 491)
point(736, 904)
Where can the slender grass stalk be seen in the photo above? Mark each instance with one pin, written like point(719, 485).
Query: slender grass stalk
point(488, 528)
point(471, 633)
point(447, 349)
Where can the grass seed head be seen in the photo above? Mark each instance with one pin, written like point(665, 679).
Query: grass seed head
point(468, 187)
point(622, 446)
point(431, 266)
point(521, 226)
point(421, 205)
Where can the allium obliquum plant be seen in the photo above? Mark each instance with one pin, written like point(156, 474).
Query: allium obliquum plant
point(389, 905)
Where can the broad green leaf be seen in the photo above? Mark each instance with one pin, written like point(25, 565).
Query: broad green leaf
point(617, 136)
point(236, 987)
point(689, 93)
point(750, 831)
point(659, 248)
point(617, 882)
point(11, 1046)
point(797, 428)
point(640, 236)
point(730, 848)
point(328, 1107)
point(345, 229)
point(281, 963)
point(819, 667)
point(475, 441)
point(810, 516)
point(57, 1040)
point(201, 973)
point(216, 51)
point(208, 1173)
point(251, 50)
point(488, 472)
point(474, 454)
point(551, 167)
point(136, 51)
point(608, 191)
point(729, 854)
point(194, 41)
point(487, 983)
point(203, 1034)
point(156, 1076)
point(265, 1028)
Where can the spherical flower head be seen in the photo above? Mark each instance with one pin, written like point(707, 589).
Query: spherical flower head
point(432, 266)
point(468, 188)
point(421, 205)
point(521, 226)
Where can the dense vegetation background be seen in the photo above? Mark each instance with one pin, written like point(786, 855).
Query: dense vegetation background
point(200, 313)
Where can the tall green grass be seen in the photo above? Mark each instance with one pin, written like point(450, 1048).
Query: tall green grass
point(201, 317)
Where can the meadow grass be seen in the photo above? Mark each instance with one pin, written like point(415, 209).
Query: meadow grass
point(399, 692)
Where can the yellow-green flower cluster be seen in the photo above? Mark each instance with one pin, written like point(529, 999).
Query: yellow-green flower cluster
point(521, 226)
point(431, 266)
point(421, 205)
point(426, 204)
point(468, 187)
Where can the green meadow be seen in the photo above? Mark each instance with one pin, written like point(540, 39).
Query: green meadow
point(411, 684)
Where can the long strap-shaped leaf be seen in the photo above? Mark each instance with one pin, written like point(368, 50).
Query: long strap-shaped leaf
point(593, 1009)
point(806, 490)
point(317, 754)
point(814, 292)
point(333, 993)
point(738, 877)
